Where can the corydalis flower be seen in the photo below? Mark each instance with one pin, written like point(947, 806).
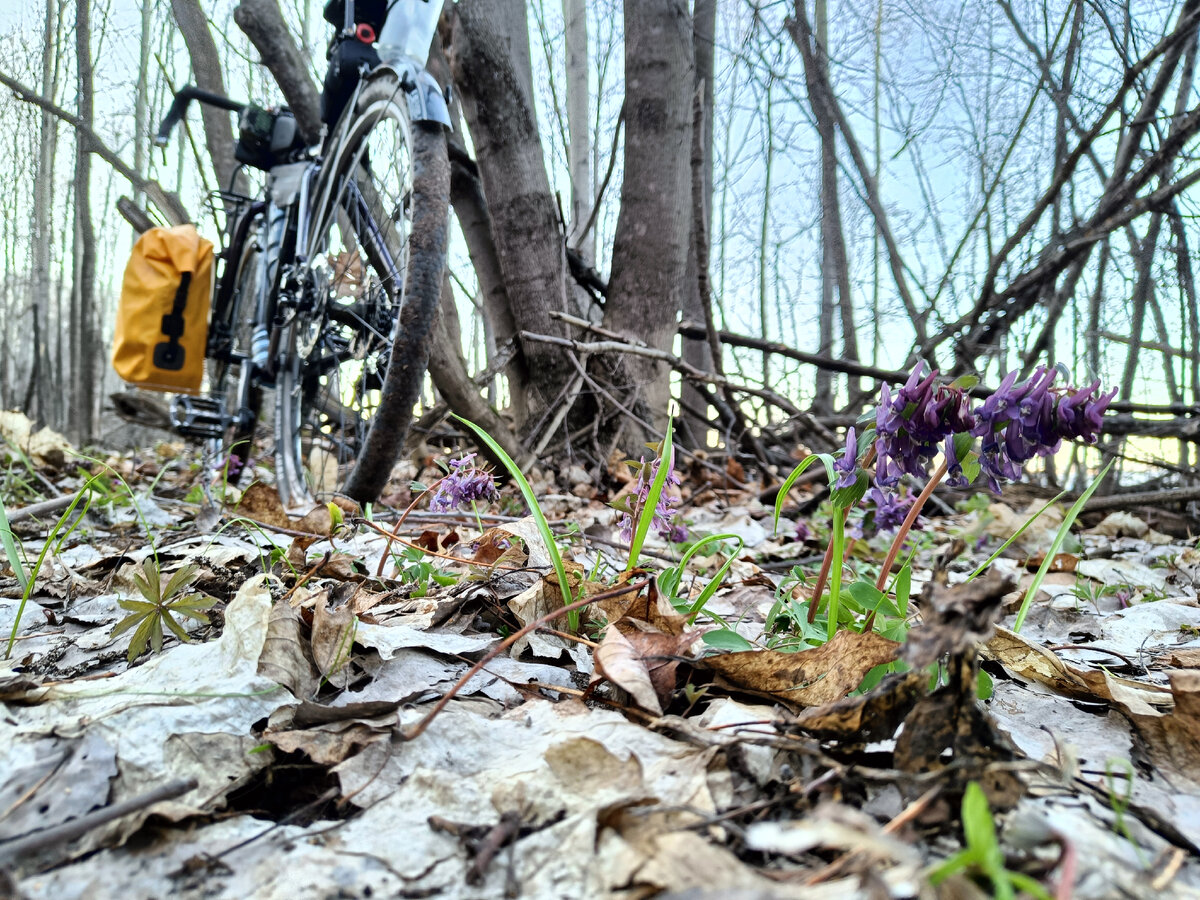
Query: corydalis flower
point(1033, 418)
point(913, 422)
point(847, 467)
point(665, 512)
point(890, 508)
point(465, 484)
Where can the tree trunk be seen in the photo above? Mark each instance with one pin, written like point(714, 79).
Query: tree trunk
point(579, 151)
point(698, 353)
point(206, 64)
point(264, 24)
point(84, 346)
point(650, 247)
point(487, 46)
point(40, 384)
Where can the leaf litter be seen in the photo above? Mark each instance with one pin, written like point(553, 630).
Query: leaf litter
point(300, 743)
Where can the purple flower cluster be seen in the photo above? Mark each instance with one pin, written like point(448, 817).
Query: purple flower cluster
point(1016, 423)
point(1021, 421)
point(466, 483)
point(890, 508)
point(912, 423)
point(665, 511)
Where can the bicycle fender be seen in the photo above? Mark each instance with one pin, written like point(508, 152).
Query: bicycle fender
point(426, 102)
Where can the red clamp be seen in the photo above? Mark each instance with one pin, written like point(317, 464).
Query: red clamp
point(365, 33)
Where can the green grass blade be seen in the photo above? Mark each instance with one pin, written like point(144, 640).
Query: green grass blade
point(84, 492)
point(10, 548)
point(1055, 546)
point(718, 578)
point(646, 518)
point(539, 517)
point(780, 497)
point(1016, 534)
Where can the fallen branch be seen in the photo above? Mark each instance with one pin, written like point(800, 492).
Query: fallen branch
point(75, 828)
point(670, 359)
point(166, 201)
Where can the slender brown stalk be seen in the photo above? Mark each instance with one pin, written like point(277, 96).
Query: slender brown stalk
point(408, 734)
point(905, 528)
point(387, 548)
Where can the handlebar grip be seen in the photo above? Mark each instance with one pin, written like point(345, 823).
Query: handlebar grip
point(183, 97)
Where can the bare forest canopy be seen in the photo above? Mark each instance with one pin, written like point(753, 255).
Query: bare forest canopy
point(759, 210)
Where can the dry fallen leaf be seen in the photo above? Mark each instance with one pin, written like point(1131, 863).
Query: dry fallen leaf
point(872, 716)
point(619, 661)
point(810, 677)
point(1034, 662)
point(332, 639)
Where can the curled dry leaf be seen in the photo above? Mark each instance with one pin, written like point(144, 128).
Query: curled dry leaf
point(955, 618)
point(620, 662)
point(1034, 662)
point(285, 659)
point(810, 677)
point(332, 640)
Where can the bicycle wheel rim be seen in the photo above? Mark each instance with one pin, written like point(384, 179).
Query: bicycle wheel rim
point(229, 378)
point(338, 346)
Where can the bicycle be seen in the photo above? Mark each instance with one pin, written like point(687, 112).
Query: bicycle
point(329, 282)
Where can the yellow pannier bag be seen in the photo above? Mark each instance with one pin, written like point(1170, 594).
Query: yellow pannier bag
point(162, 322)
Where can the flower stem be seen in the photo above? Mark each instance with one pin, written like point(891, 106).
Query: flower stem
point(902, 534)
point(827, 562)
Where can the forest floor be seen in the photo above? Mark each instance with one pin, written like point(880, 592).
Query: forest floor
point(360, 716)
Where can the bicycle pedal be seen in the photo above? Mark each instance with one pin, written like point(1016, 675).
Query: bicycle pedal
point(199, 417)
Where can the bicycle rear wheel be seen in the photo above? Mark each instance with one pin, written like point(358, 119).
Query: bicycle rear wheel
point(354, 357)
point(230, 370)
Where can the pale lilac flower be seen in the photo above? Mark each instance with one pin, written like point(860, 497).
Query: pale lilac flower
point(466, 483)
point(664, 511)
point(847, 467)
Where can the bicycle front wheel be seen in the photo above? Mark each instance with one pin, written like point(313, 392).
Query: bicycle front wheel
point(354, 357)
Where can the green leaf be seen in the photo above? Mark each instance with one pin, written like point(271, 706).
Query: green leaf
point(978, 827)
point(984, 686)
point(180, 580)
point(781, 496)
point(139, 606)
point(847, 497)
point(176, 628)
point(965, 382)
point(727, 639)
point(10, 548)
point(539, 517)
point(1059, 537)
point(903, 588)
point(871, 599)
point(1016, 534)
point(128, 622)
point(642, 527)
point(142, 635)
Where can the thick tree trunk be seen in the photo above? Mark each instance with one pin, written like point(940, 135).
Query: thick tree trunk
point(695, 299)
point(579, 152)
point(85, 345)
point(487, 45)
point(206, 64)
point(264, 24)
point(650, 247)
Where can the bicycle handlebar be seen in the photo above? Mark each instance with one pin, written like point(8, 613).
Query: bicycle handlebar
point(183, 97)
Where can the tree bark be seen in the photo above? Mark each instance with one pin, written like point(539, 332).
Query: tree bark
point(84, 344)
point(650, 247)
point(264, 24)
point(697, 298)
point(579, 151)
point(487, 46)
point(206, 64)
